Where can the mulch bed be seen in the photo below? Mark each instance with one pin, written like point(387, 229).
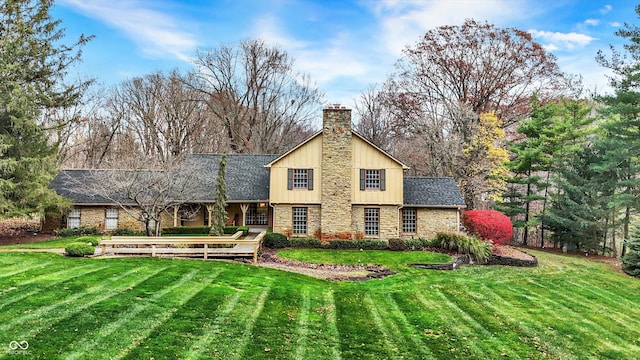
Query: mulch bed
point(24, 238)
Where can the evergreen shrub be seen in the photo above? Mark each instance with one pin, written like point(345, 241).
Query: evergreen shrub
point(186, 230)
point(488, 225)
point(275, 240)
point(68, 232)
point(397, 245)
point(88, 240)
point(305, 242)
point(123, 232)
point(79, 249)
point(364, 244)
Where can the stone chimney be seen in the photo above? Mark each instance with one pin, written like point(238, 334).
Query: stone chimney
point(335, 214)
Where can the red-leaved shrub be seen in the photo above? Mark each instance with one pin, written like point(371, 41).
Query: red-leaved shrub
point(489, 225)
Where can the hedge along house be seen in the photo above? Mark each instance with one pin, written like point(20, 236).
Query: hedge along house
point(335, 184)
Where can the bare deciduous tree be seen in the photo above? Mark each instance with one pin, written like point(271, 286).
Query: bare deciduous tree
point(263, 105)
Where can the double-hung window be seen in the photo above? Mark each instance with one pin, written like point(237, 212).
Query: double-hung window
point(111, 219)
point(371, 221)
point(408, 220)
point(73, 219)
point(373, 179)
point(300, 179)
point(299, 220)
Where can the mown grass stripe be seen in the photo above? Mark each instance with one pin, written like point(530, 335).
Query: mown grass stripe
point(332, 323)
point(21, 296)
point(159, 318)
point(600, 334)
point(406, 330)
point(22, 269)
point(542, 338)
point(542, 319)
point(463, 334)
point(199, 347)
point(101, 335)
point(251, 321)
point(63, 308)
point(610, 297)
point(492, 343)
point(303, 326)
point(387, 333)
point(46, 321)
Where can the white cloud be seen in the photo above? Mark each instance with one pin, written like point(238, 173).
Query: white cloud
point(606, 9)
point(592, 22)
point(557, 40)
point(157, 33)
point(615, 24)
point(402, 22)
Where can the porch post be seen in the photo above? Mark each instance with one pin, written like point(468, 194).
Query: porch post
point(244, 208)
point(210, 211)
point(175, 216)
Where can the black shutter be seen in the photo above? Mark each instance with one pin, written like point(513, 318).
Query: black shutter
point(383, 185)
point(289, 179)
point(362, 175)
point(310, 179)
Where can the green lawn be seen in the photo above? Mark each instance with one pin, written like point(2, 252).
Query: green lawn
point(57, 243)
point(391, 259)
point(142, 308)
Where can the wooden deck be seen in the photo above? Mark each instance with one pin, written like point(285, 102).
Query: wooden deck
point(184, 246)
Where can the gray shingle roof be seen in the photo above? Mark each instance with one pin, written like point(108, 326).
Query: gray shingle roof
point(247, 178)
point(432, 191)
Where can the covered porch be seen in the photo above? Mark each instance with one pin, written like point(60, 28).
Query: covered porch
point(257, 215)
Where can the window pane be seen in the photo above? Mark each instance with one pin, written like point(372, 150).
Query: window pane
point(73, 219)
point(372, 179)
point(256, 215)
point(300, 220)
point(371, 221)
point(409, 220)
point(300, 179)
point(111, 219)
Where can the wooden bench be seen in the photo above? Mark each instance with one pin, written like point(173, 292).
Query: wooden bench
point(166, 245)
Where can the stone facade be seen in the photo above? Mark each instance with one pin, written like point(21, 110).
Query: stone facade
point(335, 218)
point(431, 221)
point(283, 218)
point(94, 216)
point(388, 221)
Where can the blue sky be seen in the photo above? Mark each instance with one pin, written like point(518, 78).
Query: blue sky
point(345, 46)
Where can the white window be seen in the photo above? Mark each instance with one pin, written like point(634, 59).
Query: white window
point(371, 221)
point(372, 179)
point(408, 220)
point(73, 219)
point(300, 220)
point(111, 219)
point(300, 179)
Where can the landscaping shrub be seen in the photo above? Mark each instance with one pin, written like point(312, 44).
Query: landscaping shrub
point(275, 240)
point(481, 250)
point(305, 242)
point(488, 225)
point(230, 230)
point(68, 232)
point(123, 232)
point(88, 240)
point(416, 244)
point(364, 244)
point(186, 230)
point(79, 249)
point(397, 245)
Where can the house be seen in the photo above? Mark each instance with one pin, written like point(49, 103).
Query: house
point(334, 185)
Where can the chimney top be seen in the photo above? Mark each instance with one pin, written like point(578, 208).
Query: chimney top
point(336, 107)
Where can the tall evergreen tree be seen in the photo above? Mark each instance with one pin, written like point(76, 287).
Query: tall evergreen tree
point(631, 261)
point(579, 210)
point(219, 212)
point(33, 64)
point(554, 131)
point(622, 129)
